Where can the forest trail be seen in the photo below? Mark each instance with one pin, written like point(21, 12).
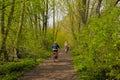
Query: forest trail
point(50, 70)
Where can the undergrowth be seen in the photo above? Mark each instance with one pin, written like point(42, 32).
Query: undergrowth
point(97, 55)
point(13, 70)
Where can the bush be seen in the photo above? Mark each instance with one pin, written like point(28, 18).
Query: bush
point(11, 70)
point(97, 55)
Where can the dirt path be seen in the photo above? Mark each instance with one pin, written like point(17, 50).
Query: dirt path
point(49, 70)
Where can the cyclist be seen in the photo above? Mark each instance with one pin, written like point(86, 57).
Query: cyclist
point(66, 46)
point(55, 47)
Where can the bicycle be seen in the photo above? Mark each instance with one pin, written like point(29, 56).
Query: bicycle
point(66, 49)
point(55, 56)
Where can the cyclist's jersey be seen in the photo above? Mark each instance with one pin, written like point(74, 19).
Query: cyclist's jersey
point(55, 47)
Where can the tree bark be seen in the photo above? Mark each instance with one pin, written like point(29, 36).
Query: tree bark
point(46, 18)
point(3, 46)
point(71, 20)
point(83, 13)
point(98, 8)
point(16, 42)
point(53, 20)
point(5, 33)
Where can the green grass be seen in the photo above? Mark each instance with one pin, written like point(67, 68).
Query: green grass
point(12, 70)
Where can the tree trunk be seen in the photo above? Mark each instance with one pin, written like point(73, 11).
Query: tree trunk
point(5, 33)
point(16, 42)
point(3, 46)
point(79, 16)
point(53, 20)
point(98, 8)
point(46, 18)
point(83, 14)
point(71, 20)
